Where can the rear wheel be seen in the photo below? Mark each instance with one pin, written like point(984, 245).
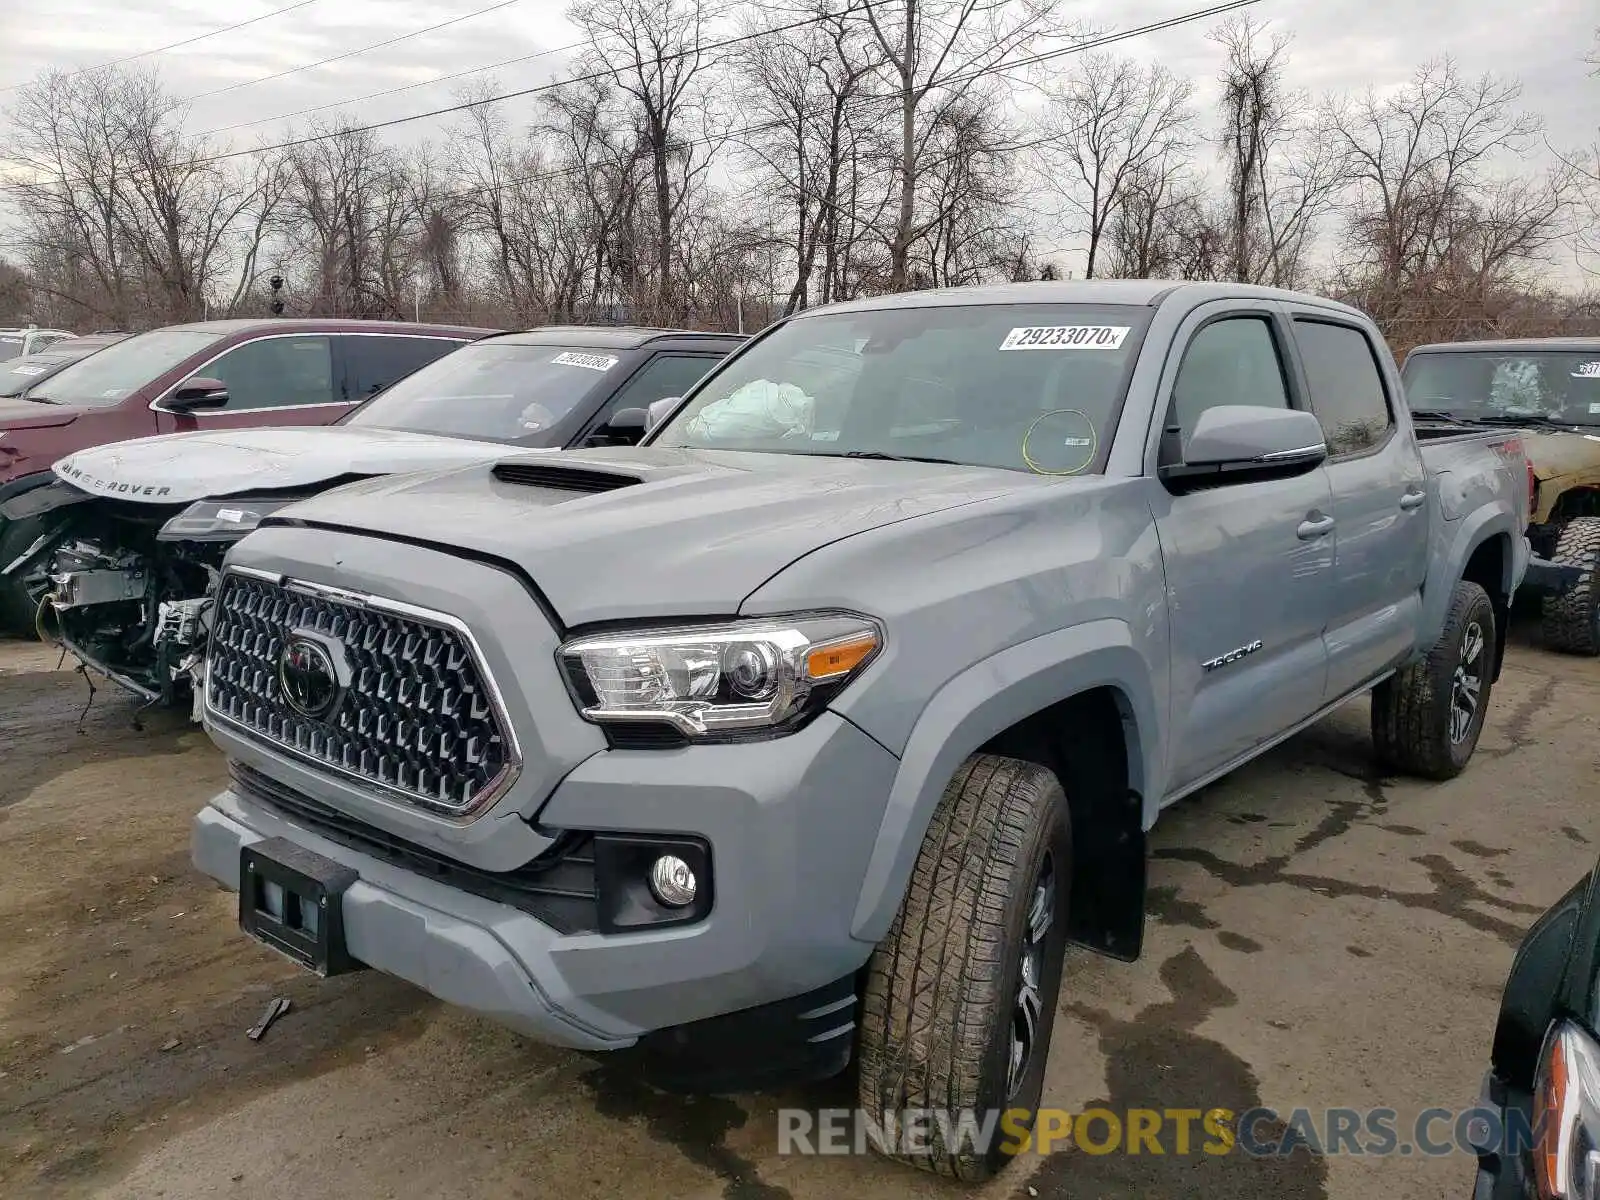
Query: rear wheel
point(1572, 619)
point(1426, 719)
point(961, 995)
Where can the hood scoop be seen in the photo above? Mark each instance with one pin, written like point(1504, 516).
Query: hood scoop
point(566, 479)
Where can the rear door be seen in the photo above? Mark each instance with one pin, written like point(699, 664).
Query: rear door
point(1248, 564)
point(366, 363)
point(1380, 500)
point(275, 379)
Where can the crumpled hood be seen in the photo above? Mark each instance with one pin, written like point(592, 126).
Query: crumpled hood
point(182, 467)
point(697, 534)
point(29, 414)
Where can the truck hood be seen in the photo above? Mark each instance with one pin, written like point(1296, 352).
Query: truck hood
point(1561, 461)
point(28, 414)
point(179, 468)
point(682, 533)
point(1556, 454)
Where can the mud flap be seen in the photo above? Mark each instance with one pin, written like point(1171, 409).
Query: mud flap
point(1106, 910)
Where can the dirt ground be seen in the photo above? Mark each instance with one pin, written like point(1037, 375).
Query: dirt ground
point(1320, 936)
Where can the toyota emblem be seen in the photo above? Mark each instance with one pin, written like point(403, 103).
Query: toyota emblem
point(308, 677)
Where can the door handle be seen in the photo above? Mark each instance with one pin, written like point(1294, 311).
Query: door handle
point(1314, 527)
point(1412, 500)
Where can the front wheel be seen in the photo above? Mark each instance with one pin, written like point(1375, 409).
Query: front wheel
point(961, 995)
point(17, 606)
point(1572, 619)
point(1426, 718)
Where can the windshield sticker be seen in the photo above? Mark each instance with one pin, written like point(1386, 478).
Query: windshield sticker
point(1588, 370)
point(1594, 409)
point(1065, 337)
point(592, 362)
point(29, 370)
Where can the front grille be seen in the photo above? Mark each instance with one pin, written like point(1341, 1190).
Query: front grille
point(558, 887)
point(416, 720)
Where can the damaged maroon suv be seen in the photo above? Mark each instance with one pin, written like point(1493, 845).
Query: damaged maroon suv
point(208, 375)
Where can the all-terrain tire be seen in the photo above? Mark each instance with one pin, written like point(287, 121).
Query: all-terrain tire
point(1572, 620)
point(943, 987)
point(1412, 709)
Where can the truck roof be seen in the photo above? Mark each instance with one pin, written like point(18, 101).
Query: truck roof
point(1145, 292)
point(613, 337)
point(240, 325)
point(1493, 345)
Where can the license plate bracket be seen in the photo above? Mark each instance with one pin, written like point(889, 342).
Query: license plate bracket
point(293, 900)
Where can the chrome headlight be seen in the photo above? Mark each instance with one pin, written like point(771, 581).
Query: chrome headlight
point(762, 676)
point(1566, 1116)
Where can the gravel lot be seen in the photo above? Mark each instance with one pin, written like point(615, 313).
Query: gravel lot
point(1321, 936)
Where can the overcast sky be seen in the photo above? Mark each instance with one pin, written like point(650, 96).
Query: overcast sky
point(1338, 44)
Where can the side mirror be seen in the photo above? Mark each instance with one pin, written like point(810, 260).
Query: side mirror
point(197, 393)
point(660, 410)
point(1236, 443)
point(624, 428)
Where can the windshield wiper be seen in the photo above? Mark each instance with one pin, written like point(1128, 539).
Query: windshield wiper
point(41, 400)
point(1440, 414)
point(1532, 419)
point(880, 456)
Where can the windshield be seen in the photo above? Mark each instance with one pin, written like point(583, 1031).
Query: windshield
point(19, 374)
point(102, 379)
point(1555, 385)
point(10, 347)
point(497, 391)
point(1025, 387)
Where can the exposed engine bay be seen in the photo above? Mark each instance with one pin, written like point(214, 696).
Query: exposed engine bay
point(127, 587)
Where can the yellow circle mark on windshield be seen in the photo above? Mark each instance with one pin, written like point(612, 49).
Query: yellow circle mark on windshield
point(1090, 445)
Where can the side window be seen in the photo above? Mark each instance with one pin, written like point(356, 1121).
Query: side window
point(1347, 391)
point(373, 363)
point(664, 375)
point(276, 372)
point(1232, 361)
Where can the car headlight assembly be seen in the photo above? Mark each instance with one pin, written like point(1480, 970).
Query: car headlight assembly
point(219, 520)
point(725, 682)
point(1566, 1116)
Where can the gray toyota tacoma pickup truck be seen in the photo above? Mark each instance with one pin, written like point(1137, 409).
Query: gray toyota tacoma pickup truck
point(814, 727)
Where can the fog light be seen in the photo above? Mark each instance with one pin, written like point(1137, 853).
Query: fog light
point(671, 881)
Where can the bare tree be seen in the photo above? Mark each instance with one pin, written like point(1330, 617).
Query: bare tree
point(16, 295)
point(1107, 126)
point(351, 207)
point(123, 209)
point(806, 144)
point(1433, 232)
point(655, 51)
point(936, 52)
point(1284, 169)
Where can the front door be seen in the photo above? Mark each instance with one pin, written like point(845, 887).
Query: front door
point(1248, 565)
point(279, 379)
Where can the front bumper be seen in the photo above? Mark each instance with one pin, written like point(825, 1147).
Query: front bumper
point(788, 823)
point(1502, 1168)
point(1550, 579)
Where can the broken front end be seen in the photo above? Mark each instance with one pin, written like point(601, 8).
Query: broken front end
point(126, 587)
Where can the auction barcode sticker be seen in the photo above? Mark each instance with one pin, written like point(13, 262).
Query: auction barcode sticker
point(594, 362)
point(1065, 337)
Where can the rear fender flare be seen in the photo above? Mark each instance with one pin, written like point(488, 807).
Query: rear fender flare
point(982, 701)
point(1464, 538)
